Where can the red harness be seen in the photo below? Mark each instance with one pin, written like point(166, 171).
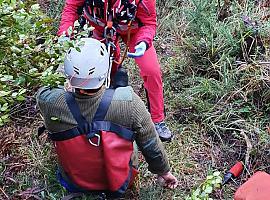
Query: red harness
point(98, 13)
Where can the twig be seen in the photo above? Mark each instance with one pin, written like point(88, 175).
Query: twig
point(259, 63)
point(7, 197)
point(249, 146)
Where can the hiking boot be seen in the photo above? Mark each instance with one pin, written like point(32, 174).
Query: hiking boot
point(163, 131)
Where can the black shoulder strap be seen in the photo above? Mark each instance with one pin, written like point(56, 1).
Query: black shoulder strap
point(104, 105)
point(101, 110)
point(75, 109)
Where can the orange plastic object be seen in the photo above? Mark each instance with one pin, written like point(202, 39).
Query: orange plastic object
point(237, 169)
point(109, 24)
point(256, 188)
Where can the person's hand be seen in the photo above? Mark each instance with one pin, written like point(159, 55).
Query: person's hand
point(139, 50)
point(62, 39)
point(167, 180)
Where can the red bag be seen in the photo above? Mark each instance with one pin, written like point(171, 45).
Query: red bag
point(256, 188)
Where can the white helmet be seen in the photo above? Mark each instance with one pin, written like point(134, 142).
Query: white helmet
point(88, 68)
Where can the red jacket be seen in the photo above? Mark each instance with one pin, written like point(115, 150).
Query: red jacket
point(146, 13)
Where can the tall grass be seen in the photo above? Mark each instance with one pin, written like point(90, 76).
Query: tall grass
point(225, 76)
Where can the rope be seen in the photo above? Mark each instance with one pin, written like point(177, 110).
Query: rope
point(127, 45)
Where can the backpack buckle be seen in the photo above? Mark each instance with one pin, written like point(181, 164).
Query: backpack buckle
point(98, 140)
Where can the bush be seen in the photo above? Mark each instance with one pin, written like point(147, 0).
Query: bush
point(204, 191)
point(28, 53)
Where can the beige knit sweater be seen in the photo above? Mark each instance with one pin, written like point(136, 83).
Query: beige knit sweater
point(126, 109)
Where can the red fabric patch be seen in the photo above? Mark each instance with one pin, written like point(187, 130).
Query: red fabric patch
point(105, 167)
point(256, 188)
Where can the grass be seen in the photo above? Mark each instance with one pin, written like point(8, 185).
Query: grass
point(214, 106)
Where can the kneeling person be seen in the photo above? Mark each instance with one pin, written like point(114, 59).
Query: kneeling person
point(93, 128)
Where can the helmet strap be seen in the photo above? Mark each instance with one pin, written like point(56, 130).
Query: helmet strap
point(88, 92)
point(68, 87)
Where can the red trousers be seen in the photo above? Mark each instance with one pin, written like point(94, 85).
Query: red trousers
point(150, 72)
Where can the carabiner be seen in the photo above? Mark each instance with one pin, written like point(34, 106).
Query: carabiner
point(98, 142)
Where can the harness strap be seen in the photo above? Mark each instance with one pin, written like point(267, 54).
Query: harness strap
point(112, 127)
point(104, 105)
point(65, 135)
point(75, 109)
point(95, 127)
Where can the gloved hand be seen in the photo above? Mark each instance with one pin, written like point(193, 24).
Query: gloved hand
point(139, 50)
point(62, 39)
point(167, 180)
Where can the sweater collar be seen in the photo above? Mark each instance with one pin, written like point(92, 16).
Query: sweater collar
point(95, 95)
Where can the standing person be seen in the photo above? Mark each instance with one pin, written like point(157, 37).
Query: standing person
point(93, 128)
point(142, 13)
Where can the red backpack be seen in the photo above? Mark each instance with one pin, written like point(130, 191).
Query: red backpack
point(95, 156)
point(257, 187)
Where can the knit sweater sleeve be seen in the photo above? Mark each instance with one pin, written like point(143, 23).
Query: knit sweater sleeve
point(54, 110)
point(147, 139)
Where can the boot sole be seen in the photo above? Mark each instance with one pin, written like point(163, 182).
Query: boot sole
point(166, 139)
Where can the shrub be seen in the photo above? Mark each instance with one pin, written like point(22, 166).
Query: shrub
point(28, 53)
point(203, 192)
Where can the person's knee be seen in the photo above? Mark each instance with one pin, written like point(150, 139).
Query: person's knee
point(151, 70)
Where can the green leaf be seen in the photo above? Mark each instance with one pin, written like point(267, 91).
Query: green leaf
point(78, 49)
point(20, 98)
point(33, 70)
point(20, 80)
point(209, 177)
point(35, 7)
point(219, 180)
point(244, 110)
point(4, 93)
point(69, 31)
point(15, 49)
point(56, 119)
point(4, 117)
point(197, 192)
point(14, 94)
point(208, 190)
point(6, 78)
point(21, 91)
point(4, 107)
point(76, 23)
point(216, 173)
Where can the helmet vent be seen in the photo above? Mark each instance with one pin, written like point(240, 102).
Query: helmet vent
point(91, 71)
point(102, 48)
point(76, 70)
point(102, 51)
